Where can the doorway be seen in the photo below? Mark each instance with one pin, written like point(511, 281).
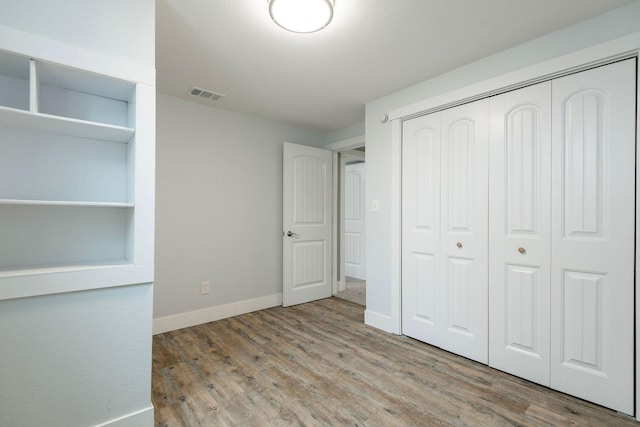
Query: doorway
point(351, 234)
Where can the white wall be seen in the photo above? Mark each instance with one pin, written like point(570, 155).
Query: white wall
point(611, 25)
point(344, 134)
point(218, 211)
point(120, 28)
point(81, 358)
point(76, 359)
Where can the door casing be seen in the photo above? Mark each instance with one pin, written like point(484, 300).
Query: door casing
point(344, 146)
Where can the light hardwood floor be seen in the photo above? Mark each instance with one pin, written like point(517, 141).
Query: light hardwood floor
point(318, 364)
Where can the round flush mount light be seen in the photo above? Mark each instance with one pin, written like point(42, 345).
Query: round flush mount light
point(301, 16)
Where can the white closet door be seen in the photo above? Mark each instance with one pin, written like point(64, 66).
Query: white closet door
point(464, 241)
point(421, 288)
point(519, 232)
point(592, 277)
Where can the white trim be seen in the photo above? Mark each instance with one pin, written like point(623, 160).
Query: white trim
point(143, 417)
point(346, 144)
point(637, 302)
point(628, 46)
point(354, 155)
point(340, 225)
point(335, 263)
point(37, 47)
point(396, 232)
point(210, 314)
point(547, 70)
point(345, 156)
point(340, 147)
point(378, 321)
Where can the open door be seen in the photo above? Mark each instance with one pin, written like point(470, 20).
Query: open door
point(306, 224)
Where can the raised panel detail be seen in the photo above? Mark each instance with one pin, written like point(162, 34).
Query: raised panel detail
point(308, 263)
point(353, 254)
point(425, 281)
point(582, 174)
point(425, 167)
point(309, 206)
point(423, 307)
point(521, 148)
point(460, 292)
point(521, 308)
point(460, 154)
point(353, 209)
point(582, 320)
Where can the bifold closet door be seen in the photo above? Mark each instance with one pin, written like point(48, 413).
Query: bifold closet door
point(560, 257)
point(519, 232)
point(592, 236)
point(445, 183)
point(422, 289)
point(464, 216)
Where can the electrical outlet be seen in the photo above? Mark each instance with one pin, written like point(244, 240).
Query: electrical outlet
point(204, 289)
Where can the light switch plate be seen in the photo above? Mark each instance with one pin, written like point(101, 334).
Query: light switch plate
point(205, 287)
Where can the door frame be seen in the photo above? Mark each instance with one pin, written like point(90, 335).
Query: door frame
point(345, 157)
point(343, 146)
point(591, 57)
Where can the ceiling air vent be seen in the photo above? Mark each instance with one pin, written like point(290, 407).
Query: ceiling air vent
point(205, 94)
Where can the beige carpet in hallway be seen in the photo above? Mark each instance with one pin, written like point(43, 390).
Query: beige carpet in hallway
point(356, 291)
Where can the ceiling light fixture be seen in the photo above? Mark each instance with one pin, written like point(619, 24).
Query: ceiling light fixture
point(301, 16)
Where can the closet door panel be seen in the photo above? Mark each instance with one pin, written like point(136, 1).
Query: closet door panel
point(464, 186)
point(421, 288)
point(592, 308)
point(519, 227)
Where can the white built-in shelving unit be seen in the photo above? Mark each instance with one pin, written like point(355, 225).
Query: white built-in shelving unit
point(76, 178)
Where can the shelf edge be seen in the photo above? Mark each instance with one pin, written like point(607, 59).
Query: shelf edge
point(29, 202)
point(86, 278)
point(14, 117)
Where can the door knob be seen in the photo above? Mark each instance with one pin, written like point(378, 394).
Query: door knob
point(459, 244)
point(292, 234)
point(521, 250)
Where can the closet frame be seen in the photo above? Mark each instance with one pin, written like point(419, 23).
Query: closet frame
point(581, 60)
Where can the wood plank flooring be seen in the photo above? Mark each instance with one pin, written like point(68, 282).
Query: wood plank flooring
point(317, 364)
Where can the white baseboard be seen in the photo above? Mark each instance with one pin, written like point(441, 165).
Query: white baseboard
point(142, 418)
point(210, 314)
point(378, 321)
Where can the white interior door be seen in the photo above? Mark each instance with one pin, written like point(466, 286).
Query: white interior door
point(421, 282)
point(354, 231)
point(519, 232)
point(592, 268)
point(306, 224)
point(464, 218)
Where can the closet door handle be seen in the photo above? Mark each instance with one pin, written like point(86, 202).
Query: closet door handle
point(459, 244)
point(522, 250)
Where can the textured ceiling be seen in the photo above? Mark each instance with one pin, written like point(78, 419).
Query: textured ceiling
point(321, 81)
